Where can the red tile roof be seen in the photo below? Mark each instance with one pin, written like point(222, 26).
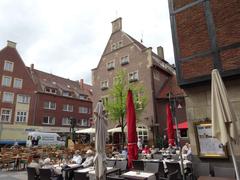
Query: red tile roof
point(43, 79)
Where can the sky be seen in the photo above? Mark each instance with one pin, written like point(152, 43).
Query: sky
point(68, 37)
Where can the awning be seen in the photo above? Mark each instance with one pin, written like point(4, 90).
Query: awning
point(118, 129)
point(87, 131)
point(182, 125)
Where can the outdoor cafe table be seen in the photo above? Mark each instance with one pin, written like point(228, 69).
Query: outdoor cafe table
point(214, 178)
point(91, 171)
point(71, 167)
point(139, 175)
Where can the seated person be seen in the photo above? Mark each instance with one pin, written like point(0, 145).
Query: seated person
point(115, 152)
point(48, 165)
point(35, 164)
point(187, 151)
point(153, 149)
point(77, 159)
point(89, 159)
point(124, 153)
point(171, 149)
point(146, 150)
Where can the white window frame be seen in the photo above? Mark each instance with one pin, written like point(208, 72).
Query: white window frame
point(24, 99)
point(110, 65)
point(66, 93)
point(104, 84)
point(83, 110)
point(6, 81)
point(66, 121)
point(83, 122)
point(49, 118)
point(21, 116)
point(141, 133)
point(68, 107)
point(124, 60)
point(9, 115)
point(18, 86)
point(5, 94)
point(8, 66)
point(50, 105)
point(50, 90)
point(133, 76)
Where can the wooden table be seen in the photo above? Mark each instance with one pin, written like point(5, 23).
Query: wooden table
point(214, 178)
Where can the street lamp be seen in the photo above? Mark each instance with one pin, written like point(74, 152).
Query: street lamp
point(172, 101)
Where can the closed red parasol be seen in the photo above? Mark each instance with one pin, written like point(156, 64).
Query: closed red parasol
point(170, 130)
point(132, 133)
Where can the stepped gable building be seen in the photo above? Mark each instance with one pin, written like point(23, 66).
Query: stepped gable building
point(34, 100)
point(206, 36)
point(143, 67)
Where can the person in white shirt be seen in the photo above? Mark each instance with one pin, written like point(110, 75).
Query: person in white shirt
point(89, 159)
point(48, 165)
point(77, 158)
point(35, 164)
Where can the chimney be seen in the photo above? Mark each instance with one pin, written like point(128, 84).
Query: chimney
point(32, 67)
point(81, 83)
point(117, 25)
point(11, 44)
point(160, 52)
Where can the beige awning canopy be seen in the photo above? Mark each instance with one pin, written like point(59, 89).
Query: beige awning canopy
point(118, 129)
point(87, 131)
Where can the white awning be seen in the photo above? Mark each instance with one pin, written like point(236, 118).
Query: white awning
point(87, 131)
point(118, 129)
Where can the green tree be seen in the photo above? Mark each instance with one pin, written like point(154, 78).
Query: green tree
point(116, 105)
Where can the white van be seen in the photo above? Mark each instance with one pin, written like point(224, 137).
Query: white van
point(44, 139)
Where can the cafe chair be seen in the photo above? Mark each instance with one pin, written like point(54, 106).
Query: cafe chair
point(47, 174)
point(32, 174)
point(122, 165)
point(138, 165)
point(161, 171)
point(80, 176)
point(173, 167)
point(173, 175)
point(111, 162)
point(224, 172)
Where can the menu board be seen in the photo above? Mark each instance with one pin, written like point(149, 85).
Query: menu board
point(207, 145)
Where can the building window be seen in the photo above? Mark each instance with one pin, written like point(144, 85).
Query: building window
point(83, 110)
point(104, 85)
point(133, 76)
point(142, 132)
point(83, 122)
point(21, 116)
point(66, 121)
point(50, 105)
point(66, 93)
point(23, 99)
point(8, 97)
point(124, 60)
point(68, 107)
point(113, 46)
point(110, 65)
point(138, 96)
point(8, 66)
point(50, 90)
point(48, 120)
point(6, 115)
point(82, 97)
point(17, 83)
point(6, 81)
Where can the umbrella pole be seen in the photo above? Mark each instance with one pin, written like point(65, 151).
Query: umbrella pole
point(234, 159)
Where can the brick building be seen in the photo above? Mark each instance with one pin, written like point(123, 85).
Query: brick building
point(143, 67)
point(35, 100)
point(206, 35)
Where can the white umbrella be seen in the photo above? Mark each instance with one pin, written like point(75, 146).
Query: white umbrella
point(118, 129)
point(87, 131)
point(224, 120)
point(100, 142)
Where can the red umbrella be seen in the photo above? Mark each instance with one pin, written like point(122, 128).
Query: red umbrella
point(170, 130)
point(132, 133)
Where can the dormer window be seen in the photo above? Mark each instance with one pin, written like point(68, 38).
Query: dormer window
point(110, 65)
point(104, 85)
point(66, 93)
point(50, 90)
point(124, 60)
point(82, 96)
point(133, 76)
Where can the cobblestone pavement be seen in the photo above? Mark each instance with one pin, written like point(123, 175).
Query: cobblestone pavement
point(13, 175)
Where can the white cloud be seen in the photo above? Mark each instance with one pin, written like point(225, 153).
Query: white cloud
point(67, 38)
